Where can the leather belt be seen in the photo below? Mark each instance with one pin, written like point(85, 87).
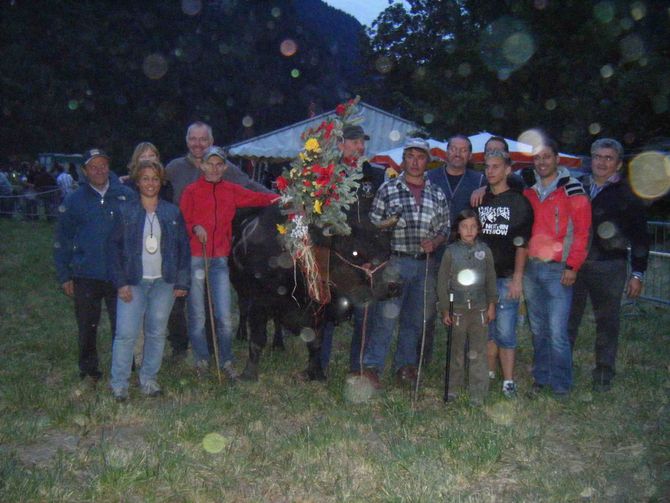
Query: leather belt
point(415, 256)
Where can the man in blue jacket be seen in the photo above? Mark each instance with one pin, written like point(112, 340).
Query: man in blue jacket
point(85, 221)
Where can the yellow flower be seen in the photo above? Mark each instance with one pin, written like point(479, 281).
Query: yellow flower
point(281, 228)
point(317, 207)
point(312, 145)
point(302, 156)
point(391, 173)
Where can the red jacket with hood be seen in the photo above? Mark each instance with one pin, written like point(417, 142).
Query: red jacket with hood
point(212, 205)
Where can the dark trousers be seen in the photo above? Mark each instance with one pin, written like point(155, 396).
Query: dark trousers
point(603, 281)
point(88, 297)
point(177, 328)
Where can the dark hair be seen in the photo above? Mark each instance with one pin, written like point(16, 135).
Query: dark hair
point(550, 143)
point(464, 215)
point(459, 137)
point(498, 139)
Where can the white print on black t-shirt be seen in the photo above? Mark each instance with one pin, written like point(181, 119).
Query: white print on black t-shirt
point(488, 215)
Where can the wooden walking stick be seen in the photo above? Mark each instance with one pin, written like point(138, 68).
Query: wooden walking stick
point(447, 365)
point(215, 341)
point(423, 332)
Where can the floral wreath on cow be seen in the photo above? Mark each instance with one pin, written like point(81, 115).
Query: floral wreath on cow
point(315, 192)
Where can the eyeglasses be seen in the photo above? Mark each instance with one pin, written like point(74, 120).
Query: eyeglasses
point(608, 158)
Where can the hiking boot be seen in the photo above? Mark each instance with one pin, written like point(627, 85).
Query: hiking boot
point(406, 375)
point(231, 373)
point(120, 394)
point(509, 389)
point(151, 389)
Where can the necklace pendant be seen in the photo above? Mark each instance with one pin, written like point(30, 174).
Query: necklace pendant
point(151, 244)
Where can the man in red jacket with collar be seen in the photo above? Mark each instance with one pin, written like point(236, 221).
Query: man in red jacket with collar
point(208, 206)
point(557, 249)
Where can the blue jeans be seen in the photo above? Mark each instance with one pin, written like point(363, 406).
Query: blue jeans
point(150, 307)
point(548, 304)
point(355, 351)
point(503, 330)
point(407, 311)
point(219, 284)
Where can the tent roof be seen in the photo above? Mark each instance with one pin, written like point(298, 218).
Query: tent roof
point(386, 131)
point(520, 152)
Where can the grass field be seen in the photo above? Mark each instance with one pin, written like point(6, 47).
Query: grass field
point(281, 440)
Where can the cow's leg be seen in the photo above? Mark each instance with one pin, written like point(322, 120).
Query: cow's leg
point(278, 338)
point(257, 341)
point(243, 304)
point(314, 370)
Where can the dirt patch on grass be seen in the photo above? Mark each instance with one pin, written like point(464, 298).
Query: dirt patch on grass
point(46, 449)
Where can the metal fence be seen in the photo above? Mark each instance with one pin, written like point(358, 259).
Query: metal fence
point(657, 277)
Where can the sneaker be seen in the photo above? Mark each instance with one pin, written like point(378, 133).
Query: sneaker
point(120, 394)
point(509, 389)
point(151, 389)
point(230, 371)
point(492, 375)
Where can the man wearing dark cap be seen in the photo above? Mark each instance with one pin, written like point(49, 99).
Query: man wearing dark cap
point(352, 147)
point(86, 218)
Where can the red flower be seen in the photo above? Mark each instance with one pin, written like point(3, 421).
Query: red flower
point(281, 183)
point(329, 130)
point(340, 109)
point(307, 183)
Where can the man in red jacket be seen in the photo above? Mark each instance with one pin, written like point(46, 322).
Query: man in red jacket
point(208, 206)
point(557, 249)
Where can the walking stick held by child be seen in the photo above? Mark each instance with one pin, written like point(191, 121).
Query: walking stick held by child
point(208, 288)
point(447, 365)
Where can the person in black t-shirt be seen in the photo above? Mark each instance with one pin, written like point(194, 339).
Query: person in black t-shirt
point(507, 220)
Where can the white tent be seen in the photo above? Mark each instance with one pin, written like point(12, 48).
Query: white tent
point(386, 131)
point(520, 152)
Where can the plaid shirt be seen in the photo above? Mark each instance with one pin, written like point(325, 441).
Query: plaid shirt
point(416, 223)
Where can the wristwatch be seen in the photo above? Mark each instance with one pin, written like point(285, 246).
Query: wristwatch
point(638, 275)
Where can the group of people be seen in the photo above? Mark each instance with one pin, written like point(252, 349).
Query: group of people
point(143, 245)
point(465, 244)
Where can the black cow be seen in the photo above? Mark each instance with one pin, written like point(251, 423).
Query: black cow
point(265, 275)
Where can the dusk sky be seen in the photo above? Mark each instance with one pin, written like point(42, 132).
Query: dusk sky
point(365, 11)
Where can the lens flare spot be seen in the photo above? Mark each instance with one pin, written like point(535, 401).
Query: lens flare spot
point(501, 413)
point(358, 389)
point(464, 69)
point(285, 261)
point(390, 310)
point(383, 64)
point(73, 104)
point(307, 334)
point(550, 104)
point(518, 241)
point(638, 10)
point(394, 135)
point(275, 12)
point(606, 71)
point(354, 253)
point(61, 208)
point(604, 12)
point(428, 118)
point(466, 277)
point(199, 274)
point(56, 245)
point(288, 47)
point(473, 355)
point(247, 121)
point(506, 45)
point(155, 66)
point(191, 7)
point(531, 137)
point(649, 174)
point(214, 443)
point(632, 47)
point(606, 230)
point(497, 111)
point(295, 73)
point(282, 290)
point(594, 128)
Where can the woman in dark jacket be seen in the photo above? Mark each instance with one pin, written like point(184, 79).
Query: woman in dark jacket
point(149, 260)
